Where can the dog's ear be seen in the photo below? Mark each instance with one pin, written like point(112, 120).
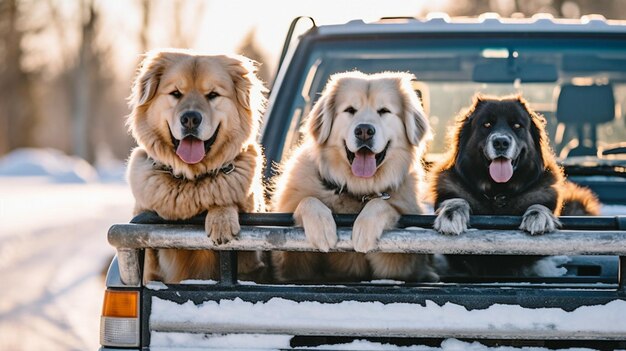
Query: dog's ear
point(249, 89)
point(145, 85)
point(465, 119)
point(320, 119)
point(537, 131)
point(148, 78)
point(460, 134)
point(478, 99)
point(537, 121)
point(415, 119)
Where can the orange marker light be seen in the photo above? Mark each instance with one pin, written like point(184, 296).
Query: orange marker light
point(122, 304)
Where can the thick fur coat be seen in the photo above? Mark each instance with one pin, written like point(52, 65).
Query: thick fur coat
point(500, 163)
point(195, 118)
point(364, 137)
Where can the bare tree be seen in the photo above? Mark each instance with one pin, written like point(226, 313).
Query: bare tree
point(144, 32)
point(81, 102)
point(97, 106)
point(17, 108)
point(95, 102)
point(186, 15)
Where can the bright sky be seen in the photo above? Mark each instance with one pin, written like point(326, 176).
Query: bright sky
point(221, 25)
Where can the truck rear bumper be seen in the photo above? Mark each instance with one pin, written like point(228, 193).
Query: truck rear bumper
point(415, 312)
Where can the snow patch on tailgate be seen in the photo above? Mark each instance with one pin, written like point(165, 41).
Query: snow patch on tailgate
point(201, 342)
point(281, 316)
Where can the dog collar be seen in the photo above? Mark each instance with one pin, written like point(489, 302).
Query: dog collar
point(159, 167)
point(342, 189)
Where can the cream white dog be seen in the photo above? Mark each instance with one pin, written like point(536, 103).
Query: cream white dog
point(361, 154)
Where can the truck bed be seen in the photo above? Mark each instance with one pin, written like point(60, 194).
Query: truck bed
point(586, 308)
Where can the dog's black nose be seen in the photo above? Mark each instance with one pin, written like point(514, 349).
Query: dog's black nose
point(191, 119)
point(501, 143)
point(364, 131)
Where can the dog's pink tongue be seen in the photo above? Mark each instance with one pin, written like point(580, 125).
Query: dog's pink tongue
point(364, 164)
point(501, 170)
point(191, 150)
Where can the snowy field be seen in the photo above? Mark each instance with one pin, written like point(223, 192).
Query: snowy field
point(53, 250)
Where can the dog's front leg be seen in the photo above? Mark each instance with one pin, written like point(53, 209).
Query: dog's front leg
point(452, 217)
point(222, 223)
point(376, 216)
point(317, 220)
point(538, 219)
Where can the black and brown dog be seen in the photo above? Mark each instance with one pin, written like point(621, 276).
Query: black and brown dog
point(500, 163)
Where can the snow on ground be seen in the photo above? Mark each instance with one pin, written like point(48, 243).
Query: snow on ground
point(53, 250)
point(51, 163)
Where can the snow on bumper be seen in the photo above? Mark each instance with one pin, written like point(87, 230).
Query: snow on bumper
point(281, 316)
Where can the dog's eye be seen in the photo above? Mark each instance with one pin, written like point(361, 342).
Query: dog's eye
point(383, 110)
point(176, 94)
point(487, 125)
point(212, 95)
point(517, 126)
point(351, 110)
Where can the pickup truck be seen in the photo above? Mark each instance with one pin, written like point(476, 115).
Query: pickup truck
point(576, 297)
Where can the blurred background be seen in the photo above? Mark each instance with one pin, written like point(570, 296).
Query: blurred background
point(65, 71)
point(66, 66)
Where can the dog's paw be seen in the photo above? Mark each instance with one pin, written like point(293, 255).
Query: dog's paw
point(222, 224)
point(320, 228)
point(538, 219)
point(452, 217)
point(366, 232)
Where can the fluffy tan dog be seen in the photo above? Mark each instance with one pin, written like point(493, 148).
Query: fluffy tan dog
point(361, 154)
point(195, 118)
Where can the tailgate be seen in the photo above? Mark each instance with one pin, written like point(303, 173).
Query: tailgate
point(273, 316)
